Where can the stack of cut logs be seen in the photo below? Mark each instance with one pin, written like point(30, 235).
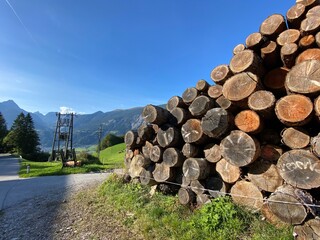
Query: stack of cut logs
point(254, 133)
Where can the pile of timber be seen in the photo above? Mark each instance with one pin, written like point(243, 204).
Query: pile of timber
point(253, 133)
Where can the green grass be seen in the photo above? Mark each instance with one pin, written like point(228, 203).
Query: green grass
point(112, 157)
point(163, 217)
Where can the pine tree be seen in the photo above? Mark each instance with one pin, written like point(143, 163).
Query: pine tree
point(3, 131)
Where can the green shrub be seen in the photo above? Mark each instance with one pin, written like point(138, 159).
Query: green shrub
point(87, 158)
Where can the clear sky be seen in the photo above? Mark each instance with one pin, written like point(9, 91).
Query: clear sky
point(101, 55)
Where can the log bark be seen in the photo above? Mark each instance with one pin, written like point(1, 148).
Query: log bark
point(315, 145)
point(238, 48)
point(270, 136)
point(247, 194)
point(309, 230)
point(216, 186)
point(265, 175)
point(295, 138)
point(169, 137)
point(254, 41)
point(318, 39)
point(201, 105)
point(295, 165)
point(228, 172)
point(239, 87)
point(275, 79)
point(196, 168)
point(156, 153)
point(288, 36)
point(202, 86)
point(247, 61)
point(190, 150)
point(212, 152)
point(181, 115)
point(294, 110)
point(239, 149)
point(173, 157)
point(163, 173)
point(192, 132)
point(307, 42)
point(248, 121)
point(310, 26)
point(295, 15)
point(272, 26)
point(175, 102)
point(216, 122)
point(146, 132)
point(186, 196)
point(263, 103)
point(288, 53)
point(309, 54)
point(271, 152)
point(270, 54)
point(317, 107)
point(189, 95)
point(285, 198)
point(155, 114)
point(221, 73)
point(215, 91)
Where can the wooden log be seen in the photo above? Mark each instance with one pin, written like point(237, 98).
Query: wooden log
point(265, 175)
point(192, 132)
point(226, 104)
point(169, 137)
point(186, 196)
point(308, 3)
point(295, 15)
point(275, 79)
point(240, 86)
point(131, 139)
point(317, 107)
point(271, 217)
point(201, 105)
point(270, 136)
point(216, 186)
point(300, 168)
point(196, 168)
point(173, 157)
point(189, 95)
point(307, 42)
point(288, 36)
point(318, 39)
point(163, 173)
point(310, 26)
point(288, 53)
point(202, 86)
point(270, 54)
point(198, 187)
point(295, 138)
point(228, 172)
point(146, 177)
point(212, 152)
point(168, 189)
point(202, 199)
point(185, 181)
point(272, 26)
point(309, 54)
point(247, 194)
point(137, 164)
point(190, 150)
point(315, 145)
point(155, 114)
point(181, 115)
point(146, 132)
point(254, 41)
point(314, 12)
point(175, 102)
point(215, 91)
point(285, 198)
point(146, 149)
point(263, 103)
point(308, 230)
point(248, 121)
point(216, 123)
point(156, 153)
point(247, 61)
point(271, 152)
point(294, 110)
point(238, 48)
point(221, 73)
point(240, 149)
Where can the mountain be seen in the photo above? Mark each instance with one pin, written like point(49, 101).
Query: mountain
point(85, 127)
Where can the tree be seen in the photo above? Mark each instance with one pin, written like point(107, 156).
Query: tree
point(3, 131)
point(111, 140)
point(22, 137)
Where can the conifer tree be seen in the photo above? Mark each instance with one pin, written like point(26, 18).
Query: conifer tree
point(3, 131)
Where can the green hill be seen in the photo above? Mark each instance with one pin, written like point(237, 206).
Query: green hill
point(114, 155)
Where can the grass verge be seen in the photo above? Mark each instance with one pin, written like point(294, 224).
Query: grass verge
point(163, 217)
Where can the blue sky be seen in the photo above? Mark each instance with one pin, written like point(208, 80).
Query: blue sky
point(101, 55)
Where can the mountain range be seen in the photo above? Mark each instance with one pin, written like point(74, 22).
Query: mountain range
point(85, 126)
